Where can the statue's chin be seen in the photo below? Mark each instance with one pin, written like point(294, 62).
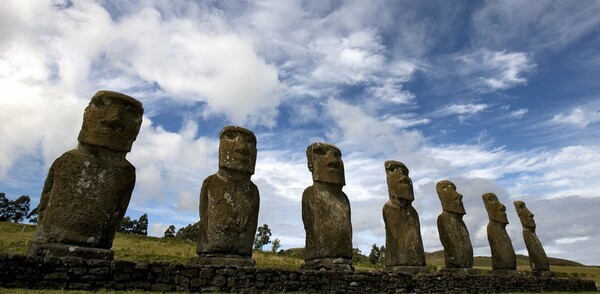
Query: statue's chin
point(329, 178)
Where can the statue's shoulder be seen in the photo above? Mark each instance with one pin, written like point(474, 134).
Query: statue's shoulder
point(70, 156)
point(214, 178)
point(310, 190)
point(389, 205)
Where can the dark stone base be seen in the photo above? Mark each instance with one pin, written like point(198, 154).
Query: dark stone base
point(406, 269)
point(506, 272)
point(222, 260)
point(331, 264)
point(72, 273)
point(65, 250)
point(460, 271)
point(543, 274)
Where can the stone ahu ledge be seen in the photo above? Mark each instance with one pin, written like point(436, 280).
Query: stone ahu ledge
point(72, 273)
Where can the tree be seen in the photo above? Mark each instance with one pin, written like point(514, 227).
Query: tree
point(170, 232)
point(14, 210)
point(357, 255)
point(33, 215)
point(275, 245)
point(375, 254)
point(127, 225)
point(189, 232)
point(262, 237)
point(138, 227)
point(142, 225)
point(3, 207)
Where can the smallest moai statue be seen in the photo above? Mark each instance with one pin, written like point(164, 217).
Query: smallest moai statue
point(403, 242)
point(87, 190)
point(537, 256)
point(504, 260)
point(458, 251)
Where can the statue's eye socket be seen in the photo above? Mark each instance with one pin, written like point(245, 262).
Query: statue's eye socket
point(319, 151)
point(99, 103)
point(391, 170)
point(229, 135)
point(131, 108)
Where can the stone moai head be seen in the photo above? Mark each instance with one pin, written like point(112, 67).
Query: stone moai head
point(325, 163)
point(496, 210)
point(525, 215)
point(237, 149)
point(400, 188)
point(450, 198)
point(111, 120)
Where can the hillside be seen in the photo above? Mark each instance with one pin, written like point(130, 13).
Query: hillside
point(437, 258)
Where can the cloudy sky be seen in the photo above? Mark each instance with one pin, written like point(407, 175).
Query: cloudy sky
point(497, 96)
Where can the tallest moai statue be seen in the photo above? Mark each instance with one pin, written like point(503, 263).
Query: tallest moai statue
point(87, 190)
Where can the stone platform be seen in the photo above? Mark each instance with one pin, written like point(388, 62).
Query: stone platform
point(72, 273)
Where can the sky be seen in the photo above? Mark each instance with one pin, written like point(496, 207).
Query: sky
point(496, 96)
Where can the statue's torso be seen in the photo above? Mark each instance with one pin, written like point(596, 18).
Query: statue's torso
point(228, 216)
point(326, 216)
point(503, 253)
point(87, 200)
point(455, 239)
point(537, 256)
point(404, 246)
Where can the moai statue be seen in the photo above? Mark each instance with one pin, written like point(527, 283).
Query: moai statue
point(229, 204)
point(326, 211)
point(453, 232)
point(403, 242)
point(504, 260)
point(537, 256)
point(87, 190)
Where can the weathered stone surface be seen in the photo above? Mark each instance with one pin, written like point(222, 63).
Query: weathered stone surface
point(453, 232)
point(87, 190)
point(229, 203)
point(537, 256)
point(39, 273)
point(503, 253)
point(404, 245)
point(326, 211)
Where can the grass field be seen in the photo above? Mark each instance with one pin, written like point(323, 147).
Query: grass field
point(15, 238)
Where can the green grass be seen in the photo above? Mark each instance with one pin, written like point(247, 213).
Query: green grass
point(15, 238)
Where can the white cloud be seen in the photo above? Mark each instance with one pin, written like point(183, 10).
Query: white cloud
point(359, 130)
point(579, 117)
point(537, 25)
point(495, 70)
point(519, 113)
point(467, 109)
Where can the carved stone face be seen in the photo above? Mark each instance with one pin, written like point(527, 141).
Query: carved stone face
point(111, 120)
point(496, 210)
point(237, 149)
point(325, 163)
point(400, 186)
point(525, 215)
point(450, 198)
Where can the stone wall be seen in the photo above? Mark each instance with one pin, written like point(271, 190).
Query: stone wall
point(18, 271)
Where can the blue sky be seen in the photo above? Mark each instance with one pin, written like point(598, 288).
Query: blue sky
point(497, 96)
